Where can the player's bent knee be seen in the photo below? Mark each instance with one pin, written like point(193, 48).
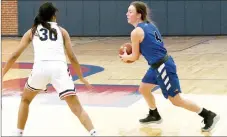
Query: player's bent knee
point(68, 98)
point(176, 101)
point(141, 90)
point(28, 96)
point(146, 88)
point(25, 100)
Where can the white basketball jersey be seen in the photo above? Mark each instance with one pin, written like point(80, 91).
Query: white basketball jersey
point(47, 46)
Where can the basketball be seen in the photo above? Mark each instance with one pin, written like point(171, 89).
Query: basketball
point(128, 47)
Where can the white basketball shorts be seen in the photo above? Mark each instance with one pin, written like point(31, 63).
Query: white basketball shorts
point(54, 72)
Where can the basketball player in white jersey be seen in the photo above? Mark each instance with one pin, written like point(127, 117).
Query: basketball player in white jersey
point(50, 66)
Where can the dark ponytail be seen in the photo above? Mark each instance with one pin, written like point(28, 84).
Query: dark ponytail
point(46, 12)
point(37, 21)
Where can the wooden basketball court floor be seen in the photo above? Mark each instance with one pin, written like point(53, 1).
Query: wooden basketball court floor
point(201, 64)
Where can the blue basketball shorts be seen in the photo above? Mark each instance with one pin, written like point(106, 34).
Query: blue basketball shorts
point(166, 77)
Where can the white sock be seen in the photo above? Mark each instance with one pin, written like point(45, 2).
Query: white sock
point(93, 132)
point(19, 132)
point(152, 108)
point(201, 109)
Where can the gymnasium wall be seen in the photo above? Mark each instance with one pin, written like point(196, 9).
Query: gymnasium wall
point(9, 18)
point(107, 17)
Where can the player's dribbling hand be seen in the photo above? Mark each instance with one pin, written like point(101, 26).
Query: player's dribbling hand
point(87, 84)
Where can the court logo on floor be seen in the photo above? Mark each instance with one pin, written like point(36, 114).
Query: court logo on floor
point(103, 95)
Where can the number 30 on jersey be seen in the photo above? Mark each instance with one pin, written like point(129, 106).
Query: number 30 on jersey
point(44, 36)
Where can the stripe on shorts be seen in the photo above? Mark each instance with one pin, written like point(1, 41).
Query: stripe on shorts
point(66, 93)
point(31, 88)
point(164, 76)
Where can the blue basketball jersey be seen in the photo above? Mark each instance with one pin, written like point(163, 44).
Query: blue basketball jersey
point(152, 46)
point(153, 50)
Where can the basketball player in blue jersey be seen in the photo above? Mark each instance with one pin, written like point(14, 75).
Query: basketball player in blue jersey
point(147, 40)
point(50, 43)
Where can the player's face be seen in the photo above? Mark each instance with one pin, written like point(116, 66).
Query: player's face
point(132, 15)
point(54, 18)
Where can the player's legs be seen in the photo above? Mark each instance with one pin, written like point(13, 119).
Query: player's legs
point(145, 90)
point(77, 109)
point(26, 99)
point(170, 85)
point(62, 82)
point(37, 81)
point(148, 83)
point(210, 118)
point(178, 101)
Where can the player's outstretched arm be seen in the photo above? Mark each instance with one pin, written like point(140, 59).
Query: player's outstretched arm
point(72, 57)
point(70, 53)
point(26, 39)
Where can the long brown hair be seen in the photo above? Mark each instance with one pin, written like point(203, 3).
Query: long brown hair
point(143, 9)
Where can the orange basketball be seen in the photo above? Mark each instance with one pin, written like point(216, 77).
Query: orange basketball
point(128, 47)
